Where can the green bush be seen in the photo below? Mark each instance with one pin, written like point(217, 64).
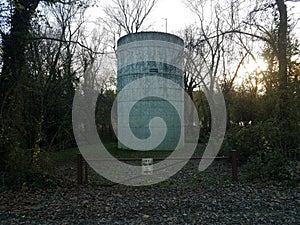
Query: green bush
point(30, 179)
point(273, 166)
point(25, 168)
point(264, 152)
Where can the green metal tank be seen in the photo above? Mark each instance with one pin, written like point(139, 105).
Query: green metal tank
point(146, 55)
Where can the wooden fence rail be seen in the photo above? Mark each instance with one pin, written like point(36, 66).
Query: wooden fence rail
point(82, 167)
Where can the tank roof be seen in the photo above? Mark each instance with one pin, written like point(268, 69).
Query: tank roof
point(150, 35)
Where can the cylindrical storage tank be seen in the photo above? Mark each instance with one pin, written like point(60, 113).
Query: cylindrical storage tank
point(150, 55)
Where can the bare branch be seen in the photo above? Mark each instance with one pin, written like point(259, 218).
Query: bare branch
point(73, 42)
point(130, 15)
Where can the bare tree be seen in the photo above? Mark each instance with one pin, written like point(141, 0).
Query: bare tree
point(214, 56)
point(57, 52)
point(97, 70)
point(125, 17)
point(207, 51)
point(129, 15)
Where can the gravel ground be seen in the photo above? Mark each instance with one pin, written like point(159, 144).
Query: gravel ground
point(189, 197)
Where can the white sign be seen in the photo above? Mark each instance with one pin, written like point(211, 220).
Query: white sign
point(147, 166)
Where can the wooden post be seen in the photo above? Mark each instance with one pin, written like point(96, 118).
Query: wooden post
point(85, 178)
point(233, 157)
point(79, 168)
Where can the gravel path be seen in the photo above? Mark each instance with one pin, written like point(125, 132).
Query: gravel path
point(187, 198)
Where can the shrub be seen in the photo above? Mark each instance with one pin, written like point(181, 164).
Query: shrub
point(263, 149)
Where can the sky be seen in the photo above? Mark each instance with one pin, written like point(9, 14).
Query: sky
point(178, 15)
point(175, 11)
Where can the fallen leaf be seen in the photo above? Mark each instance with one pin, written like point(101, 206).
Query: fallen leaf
point(145, 216)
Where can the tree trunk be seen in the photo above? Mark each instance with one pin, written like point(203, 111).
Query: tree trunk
point(284, 113)
point(15, 77)
point(282, 58)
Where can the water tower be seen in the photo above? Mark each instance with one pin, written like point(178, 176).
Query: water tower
point(146, 55)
